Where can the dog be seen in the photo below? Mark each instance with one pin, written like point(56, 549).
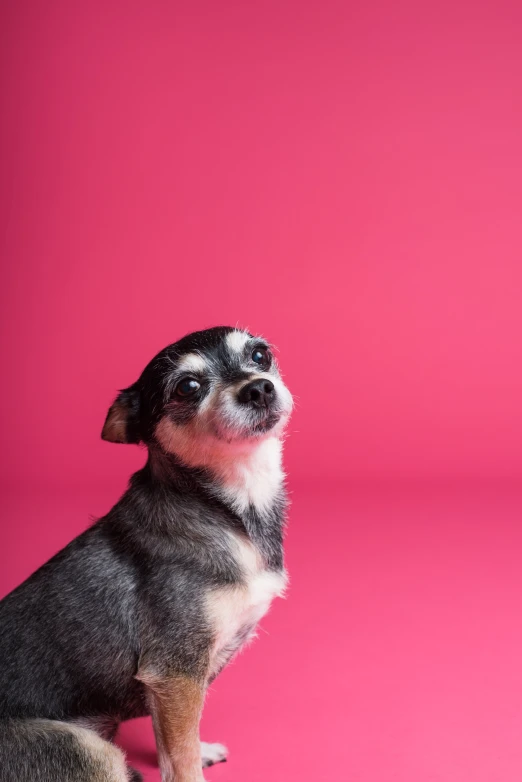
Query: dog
point(137, 615)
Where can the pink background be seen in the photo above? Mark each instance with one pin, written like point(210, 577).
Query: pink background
point(345, 178)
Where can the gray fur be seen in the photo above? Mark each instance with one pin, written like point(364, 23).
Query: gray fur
point(49, 751)
point(126, 594)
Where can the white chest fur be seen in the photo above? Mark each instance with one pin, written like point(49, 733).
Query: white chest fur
point(252, 478)
point(234, 611)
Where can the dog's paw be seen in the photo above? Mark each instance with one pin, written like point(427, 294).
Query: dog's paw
point(212, 754)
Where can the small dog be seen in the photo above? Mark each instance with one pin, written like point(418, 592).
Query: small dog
point(140, 613)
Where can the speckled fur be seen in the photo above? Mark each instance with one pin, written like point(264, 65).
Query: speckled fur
point(133, 596)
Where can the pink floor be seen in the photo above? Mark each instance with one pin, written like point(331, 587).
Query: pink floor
point(397, 655)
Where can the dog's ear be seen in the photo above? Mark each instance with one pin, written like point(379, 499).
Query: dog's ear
point(122, 422)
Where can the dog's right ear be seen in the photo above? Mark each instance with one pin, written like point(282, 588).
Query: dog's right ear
point(122, 422)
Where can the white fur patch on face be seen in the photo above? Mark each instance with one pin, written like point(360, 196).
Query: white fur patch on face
point(231, 413)
point(192, 362)
point(236, 340)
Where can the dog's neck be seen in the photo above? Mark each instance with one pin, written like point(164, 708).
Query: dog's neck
point(247, 479)
point(250, 479)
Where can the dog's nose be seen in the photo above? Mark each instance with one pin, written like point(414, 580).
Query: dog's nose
point(259, 392)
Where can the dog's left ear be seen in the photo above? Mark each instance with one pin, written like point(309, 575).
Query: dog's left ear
point(122, 422)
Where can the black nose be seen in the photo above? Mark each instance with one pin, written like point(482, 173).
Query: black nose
point(259, 392)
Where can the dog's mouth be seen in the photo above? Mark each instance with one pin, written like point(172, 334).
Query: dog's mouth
point(267, 423)
point(258, 423)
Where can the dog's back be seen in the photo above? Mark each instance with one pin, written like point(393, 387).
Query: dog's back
point(68, 642)
point(68, 649)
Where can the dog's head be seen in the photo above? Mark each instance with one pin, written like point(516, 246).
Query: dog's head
point(218, 389)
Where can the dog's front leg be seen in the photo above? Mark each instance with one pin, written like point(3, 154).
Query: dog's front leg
point(176, 702)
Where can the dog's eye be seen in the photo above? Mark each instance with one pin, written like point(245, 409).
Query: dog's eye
point(187, 387)
point(261, 356)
